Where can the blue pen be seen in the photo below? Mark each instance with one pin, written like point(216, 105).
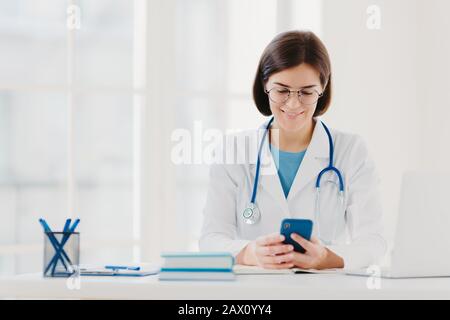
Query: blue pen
point(134, 268)
point(67, 225)
point(45, 225)
point(54, 243)
point(65, 229)
point(64, 240)
point(75, 225)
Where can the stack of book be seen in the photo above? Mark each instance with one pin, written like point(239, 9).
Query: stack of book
point(197, 266)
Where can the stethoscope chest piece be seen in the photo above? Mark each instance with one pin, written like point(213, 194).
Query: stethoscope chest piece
point(251, 214)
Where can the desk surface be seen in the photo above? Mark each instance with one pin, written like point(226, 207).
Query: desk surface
point(285, 286)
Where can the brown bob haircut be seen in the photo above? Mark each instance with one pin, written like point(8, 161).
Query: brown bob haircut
point(287, 50)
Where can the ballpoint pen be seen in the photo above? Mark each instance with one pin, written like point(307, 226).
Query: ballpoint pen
point(67, 225)
point(66, 229)
point(134, 268)
point(63, 242)
point(55, 244)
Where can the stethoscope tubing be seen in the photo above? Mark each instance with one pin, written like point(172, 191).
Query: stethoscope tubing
point(253, 207)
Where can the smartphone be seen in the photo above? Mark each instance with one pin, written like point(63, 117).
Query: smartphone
point(302, 227)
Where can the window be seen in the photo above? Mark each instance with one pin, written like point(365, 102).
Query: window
point(66, 127)
point(86, 117)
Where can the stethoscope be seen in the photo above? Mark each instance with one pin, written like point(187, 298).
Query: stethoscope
point(252, 215)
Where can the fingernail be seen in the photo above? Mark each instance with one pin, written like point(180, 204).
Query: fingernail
point(290, 248)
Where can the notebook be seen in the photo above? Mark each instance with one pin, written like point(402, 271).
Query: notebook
point(145, 270)
point(196, 275)
point(241, 269)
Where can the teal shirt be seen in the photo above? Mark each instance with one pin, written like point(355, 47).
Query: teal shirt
point(287, 164)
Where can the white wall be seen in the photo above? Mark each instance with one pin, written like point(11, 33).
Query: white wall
point(434, 85)
point(391, 85)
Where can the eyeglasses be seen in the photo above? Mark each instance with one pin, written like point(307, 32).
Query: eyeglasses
point(281, 95)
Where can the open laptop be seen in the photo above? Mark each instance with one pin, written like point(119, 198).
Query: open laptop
point(422, 241)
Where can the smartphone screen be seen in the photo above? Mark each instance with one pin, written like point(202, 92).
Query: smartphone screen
point(302, 227)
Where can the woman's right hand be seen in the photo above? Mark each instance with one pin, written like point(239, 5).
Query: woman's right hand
point(268, 252)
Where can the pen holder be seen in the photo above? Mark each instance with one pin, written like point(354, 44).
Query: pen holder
point(61, 253)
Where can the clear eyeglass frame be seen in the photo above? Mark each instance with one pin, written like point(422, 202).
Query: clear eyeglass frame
point(300, 94)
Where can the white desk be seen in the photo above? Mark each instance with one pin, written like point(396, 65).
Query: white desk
point(300, 286)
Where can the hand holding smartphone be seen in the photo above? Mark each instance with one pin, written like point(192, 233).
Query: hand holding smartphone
point(302, 227)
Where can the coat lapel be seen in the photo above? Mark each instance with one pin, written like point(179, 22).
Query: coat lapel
point(268, 179)
point(316, 158)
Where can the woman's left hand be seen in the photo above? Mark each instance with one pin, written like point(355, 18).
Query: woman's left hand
point(316, 256)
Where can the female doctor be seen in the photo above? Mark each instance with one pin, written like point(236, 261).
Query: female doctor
point(321, 174)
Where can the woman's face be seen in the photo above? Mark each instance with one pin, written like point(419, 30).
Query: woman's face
point(293, 115)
